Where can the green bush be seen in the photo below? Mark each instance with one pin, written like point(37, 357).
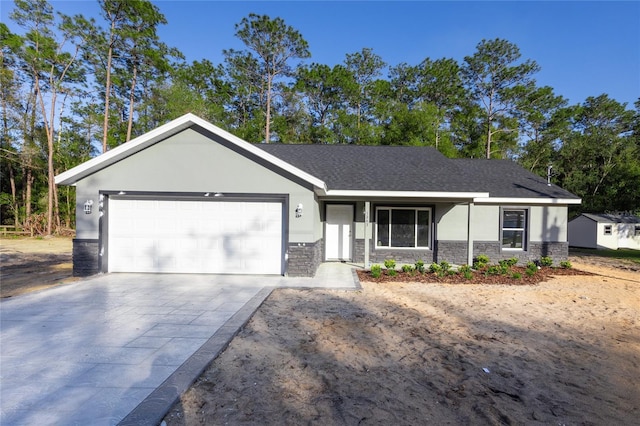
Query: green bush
point(464, 269)
point(468, 274)
point(407, 268)
point(445, 266)
point(434, 268)
point(391, 272)
point(493, 270)
point(390, 264)
point(481, 261)
point(504, 266)
point(376, 271)
point(512, 261)
point(531, 270)
point(566, 264)
point(546, 261)
point(419, 266)
point(516, 275)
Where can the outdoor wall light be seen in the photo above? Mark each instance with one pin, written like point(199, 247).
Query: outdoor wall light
point(88, 206)
point(299, 210)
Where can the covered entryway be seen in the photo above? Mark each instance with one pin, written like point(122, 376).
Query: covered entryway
point(195, 236)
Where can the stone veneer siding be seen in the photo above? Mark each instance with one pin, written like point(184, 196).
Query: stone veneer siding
point(454, 252)
point(85, 257)
point(304, 258)
point(558, 251)
point(401, 256)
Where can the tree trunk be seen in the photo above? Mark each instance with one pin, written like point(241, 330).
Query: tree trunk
point(131, 100)
point(267, 136)
point(107, 91)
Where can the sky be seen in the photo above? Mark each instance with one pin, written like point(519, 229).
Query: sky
point(584, 48)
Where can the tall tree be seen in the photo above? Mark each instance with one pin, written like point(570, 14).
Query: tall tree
point(52, 67)
point(274, 44)
point(599, 161)
point(365, 67)
point(439, 84)
point(543, 121)
point(492, 74)
point(322, 86)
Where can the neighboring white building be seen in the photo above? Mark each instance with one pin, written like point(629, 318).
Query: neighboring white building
point(612, 231)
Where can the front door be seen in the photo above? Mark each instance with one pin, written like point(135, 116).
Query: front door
point(338, 231)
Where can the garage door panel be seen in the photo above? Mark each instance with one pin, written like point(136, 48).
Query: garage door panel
point(195, 236)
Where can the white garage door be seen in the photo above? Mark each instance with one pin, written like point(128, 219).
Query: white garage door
point(195, 236)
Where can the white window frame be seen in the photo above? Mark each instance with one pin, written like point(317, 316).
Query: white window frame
point(524, 228)
point(637, 230)
point(415, 241)
point(608, 230)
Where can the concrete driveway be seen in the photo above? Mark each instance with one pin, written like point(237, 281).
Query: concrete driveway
point(120, 348)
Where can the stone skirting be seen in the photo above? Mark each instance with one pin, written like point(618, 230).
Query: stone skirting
point(401, 256)
point(454, 252)
point(558, 251)
point(85, 257)
point(304, 258)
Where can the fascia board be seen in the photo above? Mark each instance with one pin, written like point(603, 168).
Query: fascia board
point(79, 172)
point(508, 200)
point(405, 194)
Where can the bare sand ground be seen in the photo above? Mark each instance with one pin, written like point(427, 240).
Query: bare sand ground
point(30, 264)
point(566, 351)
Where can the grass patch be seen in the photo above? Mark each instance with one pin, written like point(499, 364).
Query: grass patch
point(628, 254)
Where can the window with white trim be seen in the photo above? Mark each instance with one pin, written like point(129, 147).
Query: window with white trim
point(403, 227)
point(514, 229)
point(607, 229)
point(637, 230)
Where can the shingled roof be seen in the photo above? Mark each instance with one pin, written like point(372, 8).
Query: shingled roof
point(410, 168)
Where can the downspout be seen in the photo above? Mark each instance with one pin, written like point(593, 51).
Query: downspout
point(367, 206)
point(469, 238)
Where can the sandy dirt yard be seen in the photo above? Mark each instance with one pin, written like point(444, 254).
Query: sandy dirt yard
point(29, 264)
point(566, 351)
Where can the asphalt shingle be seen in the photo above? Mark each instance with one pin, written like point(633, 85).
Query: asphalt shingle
point(410, 168)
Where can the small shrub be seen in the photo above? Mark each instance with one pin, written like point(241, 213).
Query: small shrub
point(445, 266)
point(464, 268)
point(531, 270)
point(504, 266)
point(468, 274)
point(390, 264)
point(516, 275)
point(419, 266)
point(391, 272)
point(434, 268)
point(407, 269)
point(546, 261)
point(512, 261)
point(566, 264)
point(482, 259)
point(493, 270)
point(376, 271)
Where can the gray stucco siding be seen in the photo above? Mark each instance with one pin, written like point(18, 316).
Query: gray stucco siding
point(190, 162)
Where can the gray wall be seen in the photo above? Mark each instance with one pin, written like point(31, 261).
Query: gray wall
point(191, 162)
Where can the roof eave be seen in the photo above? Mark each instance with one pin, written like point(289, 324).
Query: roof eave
point(403, 194)
point(515, 200)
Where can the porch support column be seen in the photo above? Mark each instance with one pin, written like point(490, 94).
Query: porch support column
point(469, 237)
point(367, 209)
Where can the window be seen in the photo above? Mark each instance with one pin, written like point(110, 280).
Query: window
point(637, 233)
point(607, 230)
point(403, 227)
point(514, 227)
